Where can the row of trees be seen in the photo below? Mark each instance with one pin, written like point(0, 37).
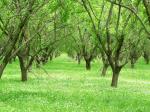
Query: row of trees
point(121, 28)
point(28, 31)
point(115, 31)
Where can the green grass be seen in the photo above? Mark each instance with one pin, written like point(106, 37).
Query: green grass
point(64, 86)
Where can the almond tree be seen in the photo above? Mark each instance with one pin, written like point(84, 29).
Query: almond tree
point(13, 31)
point(112, 37)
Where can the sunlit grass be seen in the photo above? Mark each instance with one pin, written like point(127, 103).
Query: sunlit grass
point(64, 86)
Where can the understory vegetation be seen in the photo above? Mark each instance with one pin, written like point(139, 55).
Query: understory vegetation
point(62, 89)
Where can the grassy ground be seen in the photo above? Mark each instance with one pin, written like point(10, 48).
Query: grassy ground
point(66, 86)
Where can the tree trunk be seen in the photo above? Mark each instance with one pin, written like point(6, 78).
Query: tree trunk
point(115, 77)
point(79, 59)
point(2, 67)
point(146, 58)
point(147, 61)
point(23, 69)
point(37, 61)
point(29, 66)
point(24, 75)
point(51, 57)
point(88, 64)
point(105, 67)
point(4, 64)
point(132, 63)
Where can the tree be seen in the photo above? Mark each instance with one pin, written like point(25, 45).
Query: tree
point(13, 31)
point(147, 8)
point(105, 63)
point(146, 50)
point(21, 35)
point(113, 38)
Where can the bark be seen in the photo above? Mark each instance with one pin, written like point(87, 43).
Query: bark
point(146, 58)
point(23, 69)
point(115, 77)
point(105, 67)
point(88, 64)
point(29, 66)
point(3, 65)
point(105, 63)
point(79, 61)
point(78, 58)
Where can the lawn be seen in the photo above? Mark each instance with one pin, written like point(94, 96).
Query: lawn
point(64, 86)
